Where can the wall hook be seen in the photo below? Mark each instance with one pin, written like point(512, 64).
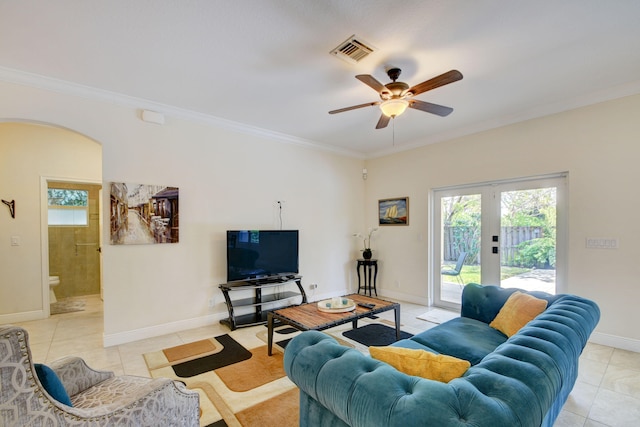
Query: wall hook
point(12, 207)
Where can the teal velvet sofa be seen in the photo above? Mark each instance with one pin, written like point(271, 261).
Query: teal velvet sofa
point(523, 380)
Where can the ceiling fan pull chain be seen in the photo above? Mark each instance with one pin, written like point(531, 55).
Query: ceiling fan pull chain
point(394, 131)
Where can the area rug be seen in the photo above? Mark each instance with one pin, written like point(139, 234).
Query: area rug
point(375, 334)
point(238, 383)
point(67, 305)
point(437, 315)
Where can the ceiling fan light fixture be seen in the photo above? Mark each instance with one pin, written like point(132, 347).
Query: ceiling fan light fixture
point(394, 107)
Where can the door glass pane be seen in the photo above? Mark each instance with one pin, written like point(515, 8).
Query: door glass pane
point(461, 231)
point(74, 216)
point(528, 239)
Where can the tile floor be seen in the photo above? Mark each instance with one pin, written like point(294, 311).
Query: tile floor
point(607, 392)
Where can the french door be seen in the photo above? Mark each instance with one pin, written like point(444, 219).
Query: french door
point(507, 233)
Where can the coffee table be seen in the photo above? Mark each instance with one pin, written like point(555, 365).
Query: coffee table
point(307, 317)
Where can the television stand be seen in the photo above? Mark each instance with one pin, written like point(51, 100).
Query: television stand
point(259, 315)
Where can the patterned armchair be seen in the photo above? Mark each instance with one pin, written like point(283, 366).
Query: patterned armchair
point(98, 397)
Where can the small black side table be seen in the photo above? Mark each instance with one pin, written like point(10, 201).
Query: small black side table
point(367, 265)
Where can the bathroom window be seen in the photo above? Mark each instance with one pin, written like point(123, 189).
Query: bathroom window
point(68, 207)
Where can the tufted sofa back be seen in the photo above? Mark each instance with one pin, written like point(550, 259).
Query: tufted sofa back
point(533, 372)
point(524, 382)
point(482, 302)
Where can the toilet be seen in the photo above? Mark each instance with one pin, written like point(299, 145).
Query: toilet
point(53, 282)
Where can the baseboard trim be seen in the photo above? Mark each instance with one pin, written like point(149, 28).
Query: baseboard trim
point(399, 296)
point(118, 338)
point(183, 325)
point(22, 317)
point(615, 341)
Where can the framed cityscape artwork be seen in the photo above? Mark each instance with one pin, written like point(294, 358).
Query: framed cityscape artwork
point(144, 214)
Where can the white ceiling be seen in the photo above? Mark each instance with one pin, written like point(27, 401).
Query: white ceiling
point(266, 63)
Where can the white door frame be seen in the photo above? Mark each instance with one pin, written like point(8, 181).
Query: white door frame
point(44, 233)
point(489, 228)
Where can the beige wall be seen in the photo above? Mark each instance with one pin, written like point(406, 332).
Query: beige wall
point(228, 178)
point(597, 145)
point(30, 153)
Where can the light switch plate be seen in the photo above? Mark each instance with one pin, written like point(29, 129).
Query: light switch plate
point(602, 243)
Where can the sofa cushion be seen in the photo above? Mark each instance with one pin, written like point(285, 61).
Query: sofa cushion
point(52, 384)
point(519, 310)
point(421, 363)
point(484, 302)
point(409, 343)
point(464, 338)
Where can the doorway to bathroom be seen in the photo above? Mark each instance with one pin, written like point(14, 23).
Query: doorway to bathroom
point(74, 243)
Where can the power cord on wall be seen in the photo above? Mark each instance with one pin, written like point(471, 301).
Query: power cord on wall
point(280, 202)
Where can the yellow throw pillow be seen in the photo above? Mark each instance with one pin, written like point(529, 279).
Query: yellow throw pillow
point(421, 363)
point(519, 310)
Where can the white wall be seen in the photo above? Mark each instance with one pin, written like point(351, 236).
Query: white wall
point(597, 145)
point(227, 180)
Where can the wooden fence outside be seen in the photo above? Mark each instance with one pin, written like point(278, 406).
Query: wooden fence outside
point(466, 239)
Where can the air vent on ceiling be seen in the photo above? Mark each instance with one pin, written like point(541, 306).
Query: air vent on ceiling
point(353, 50)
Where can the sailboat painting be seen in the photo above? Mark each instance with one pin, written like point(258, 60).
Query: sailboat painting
point(393, 211)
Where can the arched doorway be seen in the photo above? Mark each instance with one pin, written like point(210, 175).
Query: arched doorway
point(31, 154)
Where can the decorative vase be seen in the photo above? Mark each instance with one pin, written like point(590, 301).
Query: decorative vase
point(366, 254)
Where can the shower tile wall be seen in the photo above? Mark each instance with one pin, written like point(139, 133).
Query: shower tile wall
point(71, 254)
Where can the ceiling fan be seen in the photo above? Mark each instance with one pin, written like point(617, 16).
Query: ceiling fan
point(397, 96)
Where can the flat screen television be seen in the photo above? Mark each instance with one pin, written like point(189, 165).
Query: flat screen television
point(254, 254)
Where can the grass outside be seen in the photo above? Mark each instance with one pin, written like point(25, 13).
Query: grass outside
point(471, 273)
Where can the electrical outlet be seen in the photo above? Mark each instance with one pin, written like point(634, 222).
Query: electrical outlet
point(212, 302)
point(313, 286)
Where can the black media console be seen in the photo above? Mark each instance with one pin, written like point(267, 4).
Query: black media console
point(258, 316)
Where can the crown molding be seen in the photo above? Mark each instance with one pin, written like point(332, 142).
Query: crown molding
point(37, 81)
point(596, 97)
point(68, 88)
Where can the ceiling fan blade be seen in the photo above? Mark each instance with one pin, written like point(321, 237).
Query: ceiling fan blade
point(342, 110)
point(441, 80)
point(371, 81)
point(439, 110)
point(383, 122)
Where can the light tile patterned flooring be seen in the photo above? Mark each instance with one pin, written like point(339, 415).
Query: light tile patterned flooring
point(607, 392)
